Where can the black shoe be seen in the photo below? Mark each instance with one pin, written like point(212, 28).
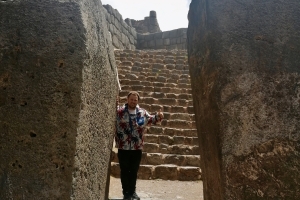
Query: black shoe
point(135, 196)
point(127, 197)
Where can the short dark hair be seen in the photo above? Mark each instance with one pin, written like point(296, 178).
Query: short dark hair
point(134, 93)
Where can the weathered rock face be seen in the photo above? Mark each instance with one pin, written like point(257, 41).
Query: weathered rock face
point(57, 99)
point(244, 66)
point(148, 25)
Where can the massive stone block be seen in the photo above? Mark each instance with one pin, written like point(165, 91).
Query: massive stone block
point(57, 99)
point(244, 65)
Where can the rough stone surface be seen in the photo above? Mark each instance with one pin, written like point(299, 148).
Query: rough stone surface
point(244, 66)
point(57, 99)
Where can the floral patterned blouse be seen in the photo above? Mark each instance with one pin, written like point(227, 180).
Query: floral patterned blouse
point(130, 127)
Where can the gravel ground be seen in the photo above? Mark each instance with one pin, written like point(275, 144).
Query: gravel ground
point(160, 189)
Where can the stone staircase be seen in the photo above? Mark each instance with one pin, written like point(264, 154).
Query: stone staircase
point(161, 77)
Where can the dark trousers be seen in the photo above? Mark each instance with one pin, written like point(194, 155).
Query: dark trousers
point(129, 161)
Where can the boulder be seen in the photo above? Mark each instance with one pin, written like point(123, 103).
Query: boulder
point(244, 66)
point(57, 99)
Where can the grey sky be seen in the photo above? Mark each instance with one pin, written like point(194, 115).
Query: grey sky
point(171, 14)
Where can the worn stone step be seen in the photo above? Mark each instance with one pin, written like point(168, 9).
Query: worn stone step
point(185, 72)
point(121, 76)
point(148, 100)
point(172, 80)
point(167, 108)
point(181, 116)
point(160, 56)
point(159, 130)
point(138, 69)
point(126, 81)
point(137, 63)
point(167, 89)
point(140, 66)
point(146, 65)
point(176, 123)
point(158, 65)
point(171, 149)
point(170, 66)
point(132, 87)
point(153, 78)
point(174, 109)
point(184, 85)
point(165, 101)
point(144, 60)
point(182, 57)
point(131, 76)
point(179, 160)
point(142, 82)
point(125, 64)
point(180, 61)
point(159, 159)
point(171, 140)
point(165, 172)
point(138, 88)
point(173, 102)
point(124, 69)
point(182, 67)
point(125, 59)
point(184, 96)
point(184, 80)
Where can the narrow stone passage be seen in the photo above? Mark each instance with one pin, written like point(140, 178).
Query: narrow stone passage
point(171, 150)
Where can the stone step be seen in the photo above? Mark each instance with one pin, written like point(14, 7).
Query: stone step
point(160, 159)
point(179, 149)
point(176, 123)
point(184, 80)
point(170, 131)
point(125, 64)
point(155, 53)
point(172, 90)
point(156, 83)
point(185, 96)
point(164, 172)
point(166, 74)
point(180, 116)
point(184, 85)
point(158, 66)
point(179, 160)
point(151, 71)
point(152, 108)
point(153, 88)
point(171, 140)
point(162, 101)
point(166, 108)
point(121, 76)
point(124, 59)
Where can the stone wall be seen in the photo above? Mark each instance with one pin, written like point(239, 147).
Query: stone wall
point(57, 99)
point(174, 39)
point(148, 25)
point(123, 36)
point(245, 75)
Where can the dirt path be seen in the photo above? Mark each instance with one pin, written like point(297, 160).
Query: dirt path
point(160, 189)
